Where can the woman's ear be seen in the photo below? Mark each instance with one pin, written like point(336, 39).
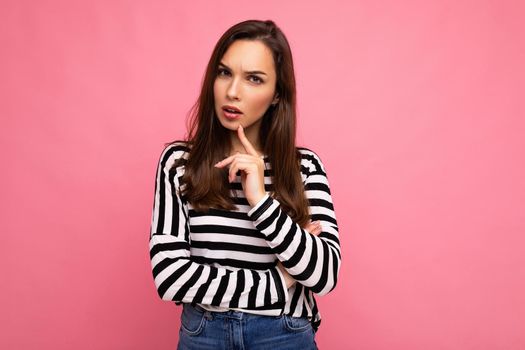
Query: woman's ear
point(275, 99)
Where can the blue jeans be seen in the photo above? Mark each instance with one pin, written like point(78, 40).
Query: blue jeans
point(202, 330)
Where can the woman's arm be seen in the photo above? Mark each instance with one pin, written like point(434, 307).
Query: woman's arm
point(313, 227)
point(312, 260)
point(179, 279)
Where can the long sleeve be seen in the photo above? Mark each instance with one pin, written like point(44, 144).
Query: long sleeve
point(177, 277)
point(314, 261)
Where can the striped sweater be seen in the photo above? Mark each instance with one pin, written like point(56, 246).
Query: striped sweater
point(226, 260)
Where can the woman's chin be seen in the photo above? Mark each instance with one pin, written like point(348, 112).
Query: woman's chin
point(230, 124)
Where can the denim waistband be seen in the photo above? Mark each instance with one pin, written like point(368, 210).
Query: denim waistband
point(229, 314)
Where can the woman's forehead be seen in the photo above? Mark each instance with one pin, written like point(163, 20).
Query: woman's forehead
point(248, 56)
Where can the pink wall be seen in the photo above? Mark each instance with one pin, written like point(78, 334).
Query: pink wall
point(416, 109)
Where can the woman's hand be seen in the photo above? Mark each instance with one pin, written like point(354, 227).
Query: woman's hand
point(315, 229)
point(252, 170)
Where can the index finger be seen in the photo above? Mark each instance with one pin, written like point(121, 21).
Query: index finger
point(245, 142)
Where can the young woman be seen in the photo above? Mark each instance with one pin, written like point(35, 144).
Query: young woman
point(243, 230)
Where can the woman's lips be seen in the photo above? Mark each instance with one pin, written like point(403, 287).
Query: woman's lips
point(231, 115)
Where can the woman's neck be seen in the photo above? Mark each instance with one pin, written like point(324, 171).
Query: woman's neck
point(240, 148)
point(252, 134)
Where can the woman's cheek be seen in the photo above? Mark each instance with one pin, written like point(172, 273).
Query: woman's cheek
point(260, 103)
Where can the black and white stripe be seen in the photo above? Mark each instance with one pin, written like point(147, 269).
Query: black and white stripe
point(227, 259)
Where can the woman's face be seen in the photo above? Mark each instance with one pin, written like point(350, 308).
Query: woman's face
point(246, 79)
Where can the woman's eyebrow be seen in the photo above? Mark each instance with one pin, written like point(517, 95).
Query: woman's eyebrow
point(248, 72)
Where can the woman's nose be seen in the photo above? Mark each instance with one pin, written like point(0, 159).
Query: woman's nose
point(233, 89)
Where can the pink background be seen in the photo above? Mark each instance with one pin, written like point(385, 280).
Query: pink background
point(416, 109)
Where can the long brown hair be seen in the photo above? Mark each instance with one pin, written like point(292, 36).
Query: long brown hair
point(207, 186)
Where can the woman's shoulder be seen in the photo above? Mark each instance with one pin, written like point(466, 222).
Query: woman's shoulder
point(310, 161)
point(178, 146)
point(175, 151)
point(305, 151)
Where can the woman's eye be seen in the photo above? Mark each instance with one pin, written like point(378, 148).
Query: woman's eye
point(257, 79)
point(253, 78)
point(221, 70)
